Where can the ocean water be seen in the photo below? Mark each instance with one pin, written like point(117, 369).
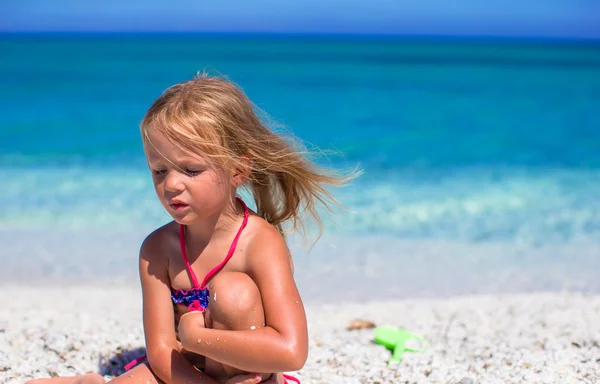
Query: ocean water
point(487, 151)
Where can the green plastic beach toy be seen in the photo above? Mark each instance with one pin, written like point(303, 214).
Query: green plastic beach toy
point(395, 339)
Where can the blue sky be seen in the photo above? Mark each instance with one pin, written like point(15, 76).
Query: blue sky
point(531, 18)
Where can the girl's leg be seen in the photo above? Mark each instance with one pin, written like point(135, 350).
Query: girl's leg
point(235, 304)
point(139, 374)
point(88, 378)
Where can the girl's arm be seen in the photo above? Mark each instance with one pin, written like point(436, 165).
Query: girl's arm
point(161, 343)
point(280, 346)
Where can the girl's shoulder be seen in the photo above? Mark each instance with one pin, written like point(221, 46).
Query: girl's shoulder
point(264, 242)
point(259, 229)
point(160, 241)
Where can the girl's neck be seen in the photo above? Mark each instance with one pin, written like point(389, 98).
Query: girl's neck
point(201, 233)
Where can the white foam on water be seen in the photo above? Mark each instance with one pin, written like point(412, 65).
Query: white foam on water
point(480, 206)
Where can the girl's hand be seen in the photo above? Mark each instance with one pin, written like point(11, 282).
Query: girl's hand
point(253, 378)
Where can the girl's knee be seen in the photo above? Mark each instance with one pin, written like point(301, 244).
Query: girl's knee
point(234, 293)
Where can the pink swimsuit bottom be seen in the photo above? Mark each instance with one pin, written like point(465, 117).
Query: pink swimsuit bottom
point(197, 298)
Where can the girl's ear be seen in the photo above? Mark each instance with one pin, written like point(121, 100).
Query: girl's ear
point(241, 174)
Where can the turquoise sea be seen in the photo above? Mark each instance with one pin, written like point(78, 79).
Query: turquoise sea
point(473, 147)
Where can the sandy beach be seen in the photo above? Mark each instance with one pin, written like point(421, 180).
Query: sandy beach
point(516, 338)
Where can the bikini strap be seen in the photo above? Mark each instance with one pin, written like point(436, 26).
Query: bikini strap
point(288, 378)
point(222, 264)
point(231, 248)
point(185, 258)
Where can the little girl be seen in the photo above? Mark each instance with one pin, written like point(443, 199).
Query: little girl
point(221, 273)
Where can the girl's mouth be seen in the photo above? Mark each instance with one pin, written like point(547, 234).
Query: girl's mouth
point(178, 206)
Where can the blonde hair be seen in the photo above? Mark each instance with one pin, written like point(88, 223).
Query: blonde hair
point(212, 117)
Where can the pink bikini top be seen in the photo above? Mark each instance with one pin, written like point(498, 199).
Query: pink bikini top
point(197, 298)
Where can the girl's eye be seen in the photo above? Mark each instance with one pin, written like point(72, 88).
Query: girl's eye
point(191, 172)
point(159, 172)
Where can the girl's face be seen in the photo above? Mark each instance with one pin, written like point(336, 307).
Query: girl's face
point(188, 186)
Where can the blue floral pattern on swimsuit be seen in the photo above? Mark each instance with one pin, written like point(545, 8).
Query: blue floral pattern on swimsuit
point(188, 297)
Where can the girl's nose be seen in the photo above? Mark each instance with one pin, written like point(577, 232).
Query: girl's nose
point(173, 182)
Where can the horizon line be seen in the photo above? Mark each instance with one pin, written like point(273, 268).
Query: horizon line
point(313, 35)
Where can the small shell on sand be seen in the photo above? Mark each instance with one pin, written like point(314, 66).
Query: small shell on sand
point(360, 324)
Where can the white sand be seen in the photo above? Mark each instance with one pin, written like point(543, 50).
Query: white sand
point(533, 338)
